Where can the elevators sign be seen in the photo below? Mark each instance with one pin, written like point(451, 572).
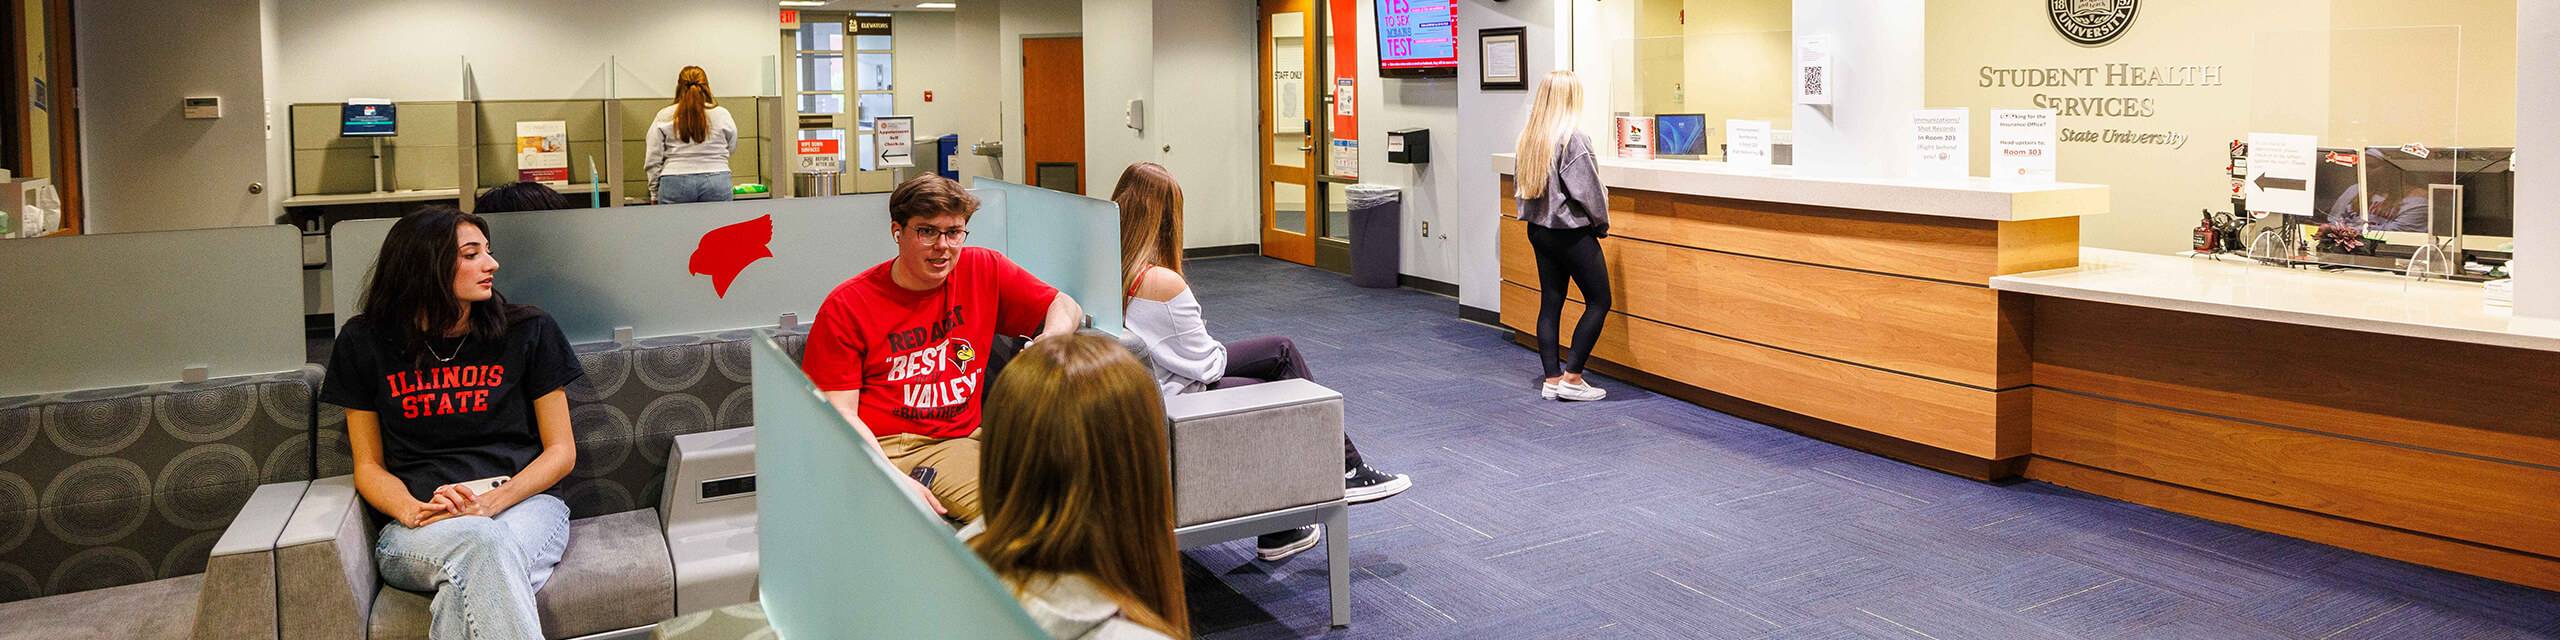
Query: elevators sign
point(2091, 23)
point(897, 140)
point(871, 25)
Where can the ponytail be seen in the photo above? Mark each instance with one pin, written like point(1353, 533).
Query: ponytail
point(693, 100)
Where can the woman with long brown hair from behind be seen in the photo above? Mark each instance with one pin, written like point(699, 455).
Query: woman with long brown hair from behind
point(1077, 486)
point(1163, 315)
point(687, 151)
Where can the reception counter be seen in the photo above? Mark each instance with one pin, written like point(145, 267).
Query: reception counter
point(1859, 311)
point(2404, 419)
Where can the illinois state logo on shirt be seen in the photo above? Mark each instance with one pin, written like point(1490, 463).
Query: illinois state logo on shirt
point(931, 369)
point(444, 391)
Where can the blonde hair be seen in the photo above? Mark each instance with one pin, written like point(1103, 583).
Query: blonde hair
point(1552, 113)
point(1150, 222)
point(1077, 480)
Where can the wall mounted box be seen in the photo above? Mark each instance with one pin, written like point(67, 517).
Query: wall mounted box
point(1409, 146)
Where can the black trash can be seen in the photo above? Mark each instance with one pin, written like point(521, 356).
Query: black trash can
point(1377, 213)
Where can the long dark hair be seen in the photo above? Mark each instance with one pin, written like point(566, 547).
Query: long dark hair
point(693, 98)
point(408, 294)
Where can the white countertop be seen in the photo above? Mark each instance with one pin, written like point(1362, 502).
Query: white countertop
point(406, 195)
point(2356, 301)
point(1975, 198)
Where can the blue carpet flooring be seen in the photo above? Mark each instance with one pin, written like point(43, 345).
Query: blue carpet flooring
point(1644, 516)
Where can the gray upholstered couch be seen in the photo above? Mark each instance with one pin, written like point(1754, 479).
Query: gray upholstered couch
point(616, 575)
point(150, 511)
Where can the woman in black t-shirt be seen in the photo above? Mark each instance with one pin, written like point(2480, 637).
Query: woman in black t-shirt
point(448, 387)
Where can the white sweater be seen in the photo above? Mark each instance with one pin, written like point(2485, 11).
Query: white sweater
point(666, 153)
point(1179, 350)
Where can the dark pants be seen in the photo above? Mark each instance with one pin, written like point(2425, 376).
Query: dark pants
point(1569, 254)
point(1271, 358)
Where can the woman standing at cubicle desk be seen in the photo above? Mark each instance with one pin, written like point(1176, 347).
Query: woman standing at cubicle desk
point(687, 151)
point(1567, 209)
point(458, 422)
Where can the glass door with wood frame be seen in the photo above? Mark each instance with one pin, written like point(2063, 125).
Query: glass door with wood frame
point(1288, 106)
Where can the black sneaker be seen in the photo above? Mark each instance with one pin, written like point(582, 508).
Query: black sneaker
point(1275, 547)
point(1367, 484)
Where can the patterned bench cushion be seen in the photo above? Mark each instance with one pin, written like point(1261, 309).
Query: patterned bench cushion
point(112, 487)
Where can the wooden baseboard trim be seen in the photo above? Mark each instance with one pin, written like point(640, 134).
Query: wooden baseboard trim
point(1222, 251)
point(2399, 544)
point(1924, 456)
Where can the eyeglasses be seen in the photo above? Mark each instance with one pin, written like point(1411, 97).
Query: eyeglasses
point(930, 235)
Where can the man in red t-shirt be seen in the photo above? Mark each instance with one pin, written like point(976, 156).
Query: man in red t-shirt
point(902, 349)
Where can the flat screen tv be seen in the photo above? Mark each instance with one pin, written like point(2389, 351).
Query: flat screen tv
point(364, 117)
point(1417, 38)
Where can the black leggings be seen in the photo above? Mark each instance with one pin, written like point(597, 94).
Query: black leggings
point(1572, 254)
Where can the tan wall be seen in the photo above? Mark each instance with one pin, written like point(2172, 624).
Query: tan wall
point(2354, 72)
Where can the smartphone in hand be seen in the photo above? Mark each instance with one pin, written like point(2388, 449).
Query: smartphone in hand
point(484, 485)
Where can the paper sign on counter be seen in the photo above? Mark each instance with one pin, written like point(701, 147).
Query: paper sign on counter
point(1746, 143)
point(1941, 144)
point(2022, 145)
point(2280, 170)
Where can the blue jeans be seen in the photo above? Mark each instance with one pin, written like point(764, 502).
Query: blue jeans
point(483, 571)
point(693, 187)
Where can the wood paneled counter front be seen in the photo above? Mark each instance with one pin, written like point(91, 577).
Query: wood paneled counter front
point(1855, 310)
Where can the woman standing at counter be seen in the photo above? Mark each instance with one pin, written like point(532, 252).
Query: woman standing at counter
point(687, 153)
point(1568, 213)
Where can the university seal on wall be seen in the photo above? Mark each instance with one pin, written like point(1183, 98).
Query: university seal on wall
point(2091, 22)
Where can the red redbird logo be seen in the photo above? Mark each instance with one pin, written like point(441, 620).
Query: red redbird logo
point(728, 250)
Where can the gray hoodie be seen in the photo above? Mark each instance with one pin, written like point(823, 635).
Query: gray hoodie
point(1574, 198)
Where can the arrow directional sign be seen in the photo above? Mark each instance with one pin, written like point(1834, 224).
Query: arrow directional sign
point(2269, 183)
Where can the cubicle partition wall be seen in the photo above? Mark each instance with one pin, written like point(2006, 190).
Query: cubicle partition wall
point(495, 139)
point(425, 155)
point(649, 268)
point(824, 483)
point(122, 309)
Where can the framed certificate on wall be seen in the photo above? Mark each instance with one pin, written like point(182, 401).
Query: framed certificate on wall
point(1502, 53)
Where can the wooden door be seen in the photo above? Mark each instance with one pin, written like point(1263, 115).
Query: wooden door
point(1053, 113)
point(1288, 98)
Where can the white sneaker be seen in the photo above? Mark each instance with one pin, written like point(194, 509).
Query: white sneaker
point(1547, 391)
point(1578, 392)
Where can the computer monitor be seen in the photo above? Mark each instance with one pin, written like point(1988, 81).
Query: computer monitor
point(368, 118)
point(2335, 196)
point(2488, 191)
point(1680, 134)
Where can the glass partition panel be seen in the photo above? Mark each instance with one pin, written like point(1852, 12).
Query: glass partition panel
point(847, 552)
point(1070, 241)
point(109, 310)
point(1720, 59)
point(2159, 112)
point(659, 270)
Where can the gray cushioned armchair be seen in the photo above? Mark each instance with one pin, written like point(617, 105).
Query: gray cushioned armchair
point(1261, 459)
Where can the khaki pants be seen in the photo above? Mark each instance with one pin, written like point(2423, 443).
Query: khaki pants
point(955, 467)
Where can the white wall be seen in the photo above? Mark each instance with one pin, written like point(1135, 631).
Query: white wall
point(1016, 19)
point(1201, 117)
point(336, 49)
point(1119, 66)
point(145, 168)
point(1430, 190)
point(974, 93)
point(927, 60)
point(2538, 158)
point(1490, 121)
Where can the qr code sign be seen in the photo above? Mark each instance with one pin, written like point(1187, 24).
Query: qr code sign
point(1813, 80)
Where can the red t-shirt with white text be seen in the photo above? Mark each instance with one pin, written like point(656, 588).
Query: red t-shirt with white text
point(918, 356)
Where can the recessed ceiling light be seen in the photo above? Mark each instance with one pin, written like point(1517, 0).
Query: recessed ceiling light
point(803, 3)
point(936, 5)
